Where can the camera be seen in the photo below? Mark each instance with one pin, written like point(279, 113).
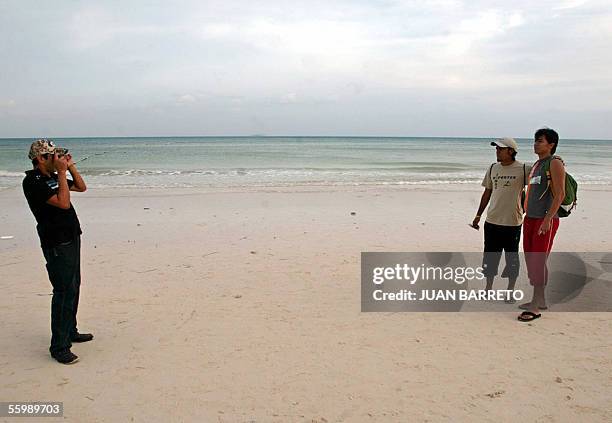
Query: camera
point(61, 151)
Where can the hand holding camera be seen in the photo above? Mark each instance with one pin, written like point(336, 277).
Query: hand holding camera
point(60, 163)
point(62, 155)
point(70, 161)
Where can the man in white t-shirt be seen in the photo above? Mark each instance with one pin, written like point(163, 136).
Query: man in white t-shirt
point(504, 183)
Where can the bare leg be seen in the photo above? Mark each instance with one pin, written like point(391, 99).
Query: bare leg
point(538, 300)
point(490, 280)
point(511, 284)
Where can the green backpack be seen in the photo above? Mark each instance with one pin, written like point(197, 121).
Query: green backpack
point(571, 189)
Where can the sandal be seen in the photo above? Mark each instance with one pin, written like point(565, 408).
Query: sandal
point(528, 316)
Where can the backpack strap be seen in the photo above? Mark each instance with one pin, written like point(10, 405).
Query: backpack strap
point(491, 173)
point(531, 172)
point(523, 191)
point(548, 175)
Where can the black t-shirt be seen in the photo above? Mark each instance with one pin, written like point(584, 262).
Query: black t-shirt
point(55, 225)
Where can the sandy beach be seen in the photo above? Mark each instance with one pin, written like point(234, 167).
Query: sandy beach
point(283, 209)
point(244, 307)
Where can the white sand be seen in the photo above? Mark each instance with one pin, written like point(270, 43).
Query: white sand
point(245, 307)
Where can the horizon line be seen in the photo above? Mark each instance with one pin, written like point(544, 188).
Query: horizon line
point(293, 136)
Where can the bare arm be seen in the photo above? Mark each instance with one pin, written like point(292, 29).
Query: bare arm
point(557, 175)
point(484, 201)
point(79, 183)
point(62, 198)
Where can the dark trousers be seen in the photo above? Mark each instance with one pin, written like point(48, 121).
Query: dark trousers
point(498, 238)
point(64, 269)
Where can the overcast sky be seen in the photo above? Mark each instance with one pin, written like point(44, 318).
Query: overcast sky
point(389, 68)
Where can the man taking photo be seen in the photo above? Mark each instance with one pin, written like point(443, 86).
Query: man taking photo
point(47, 190)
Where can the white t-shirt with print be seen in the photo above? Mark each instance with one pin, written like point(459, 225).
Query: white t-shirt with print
point(507, 184)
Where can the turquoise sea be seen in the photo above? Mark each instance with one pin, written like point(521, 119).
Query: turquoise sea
point(290, 161)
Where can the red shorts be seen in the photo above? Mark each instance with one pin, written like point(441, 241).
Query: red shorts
point(537, 247)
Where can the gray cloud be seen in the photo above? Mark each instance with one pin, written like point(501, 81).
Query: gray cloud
point(443, 67)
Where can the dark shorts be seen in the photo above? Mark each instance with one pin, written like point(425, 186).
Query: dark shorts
point(498, 238)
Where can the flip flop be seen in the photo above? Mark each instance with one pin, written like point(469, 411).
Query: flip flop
point(527, 305)
point(528, 316)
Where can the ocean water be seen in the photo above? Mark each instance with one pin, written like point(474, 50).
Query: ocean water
point(294, 161)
